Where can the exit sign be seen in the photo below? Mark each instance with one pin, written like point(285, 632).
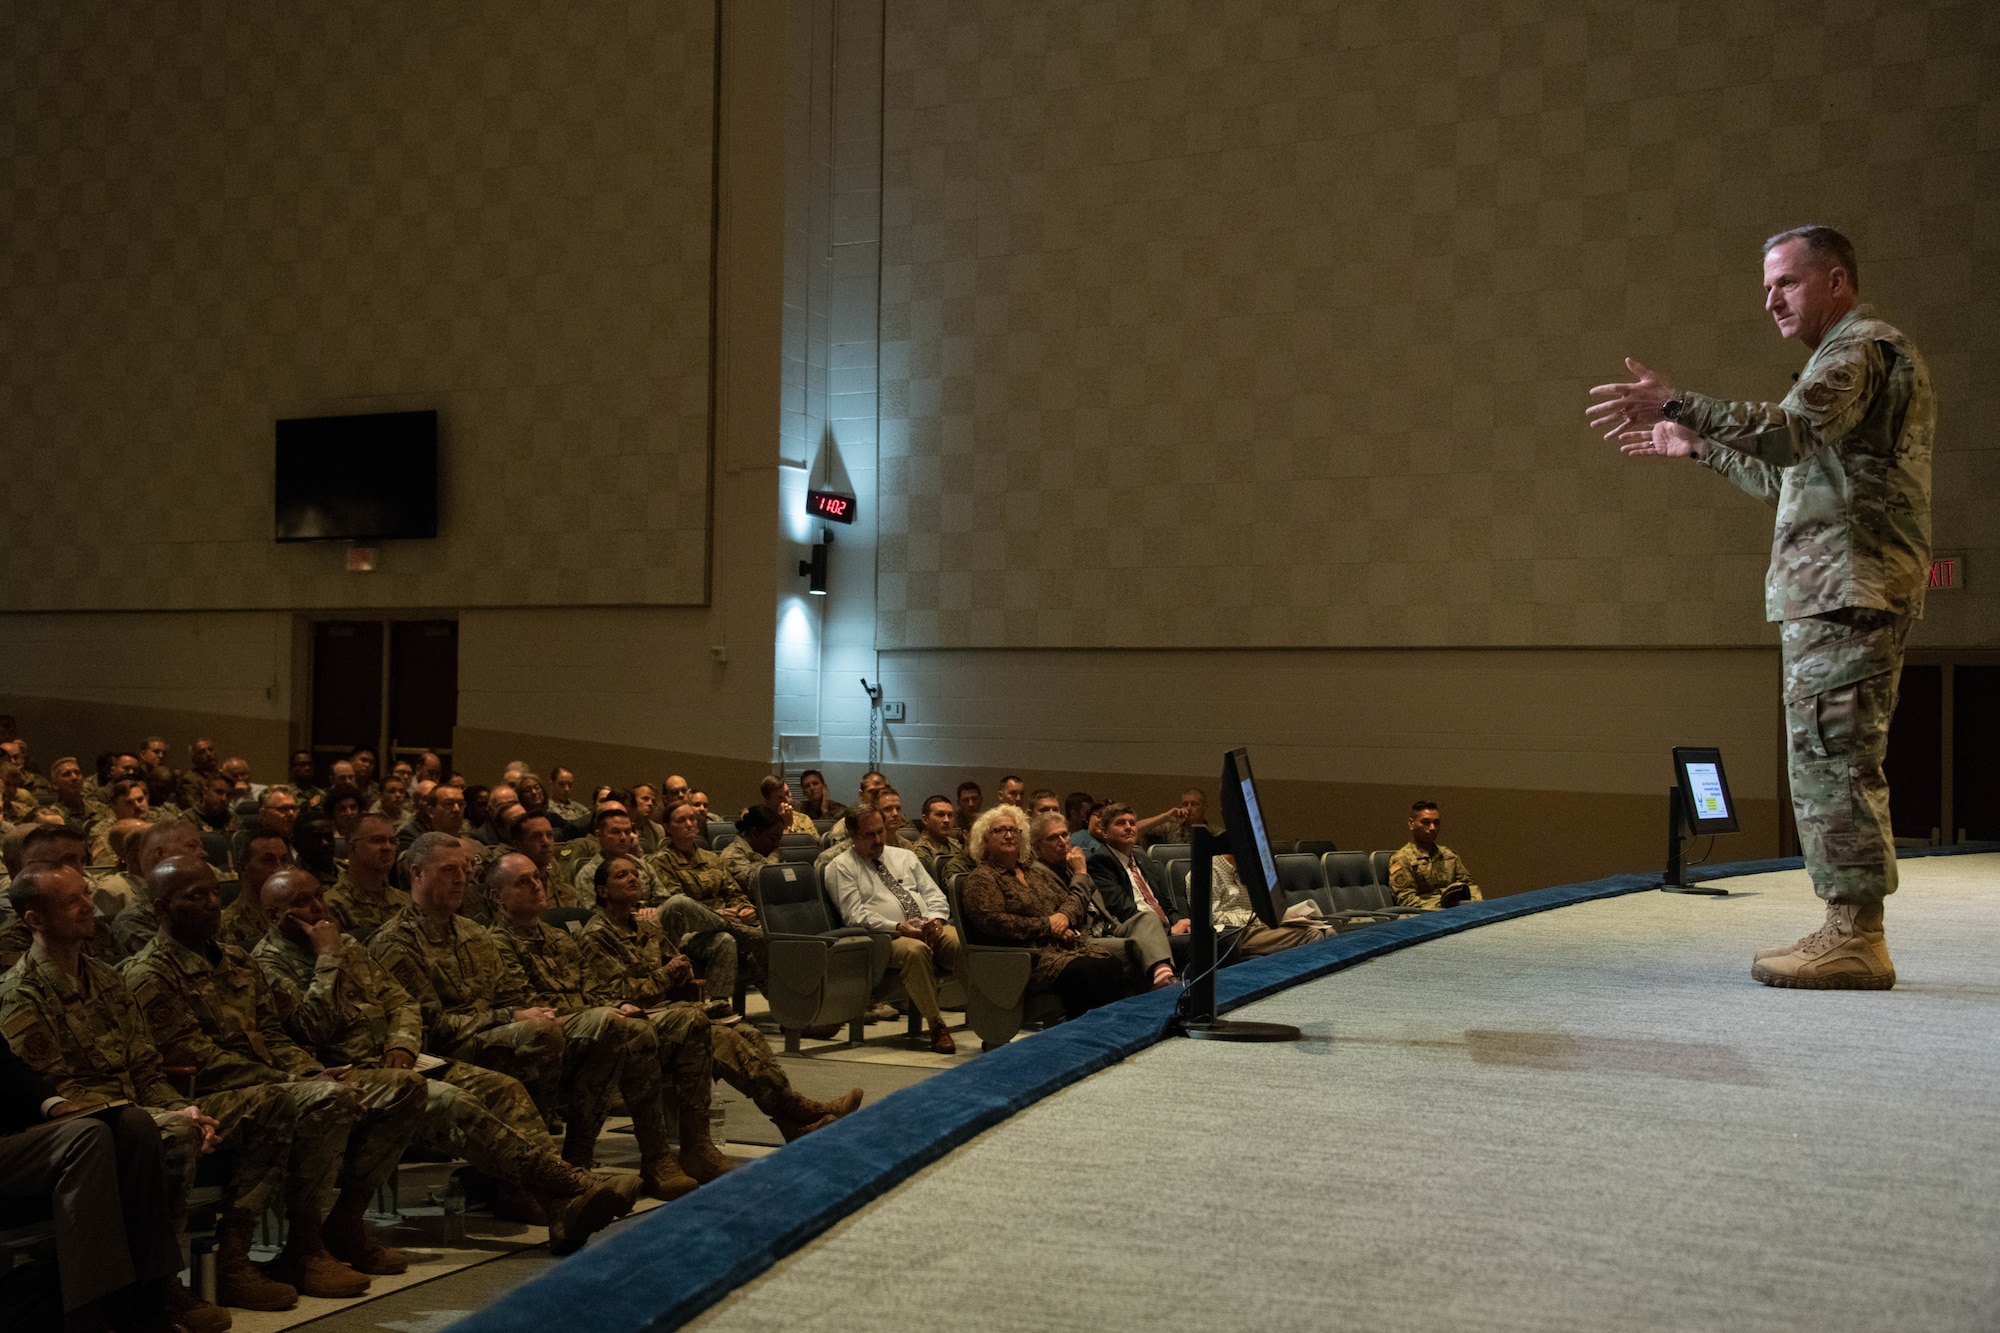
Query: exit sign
point(1947, 573)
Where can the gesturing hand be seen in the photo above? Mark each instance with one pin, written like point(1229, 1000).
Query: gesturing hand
point(1630, 406)
point(1667, 439)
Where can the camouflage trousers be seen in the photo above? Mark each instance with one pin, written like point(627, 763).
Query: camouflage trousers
point(288, 1140)
point(705, 936)
point(180, 1150)
point(738, 1055)
point(1842, 670)
point(530, 1052)
point(683, 1058)
point(391, 1111)
point(488, 1119)
point(600, 1049)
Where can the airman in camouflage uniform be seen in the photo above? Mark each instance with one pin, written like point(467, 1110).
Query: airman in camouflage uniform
point(365, 895)
point(702, 899)
point(628, 961)
point(474, 1002)
point(210, 1008)
point(340, 1004)
point(1421, 878)
point(1845, 459)
point(82, 1030)
point(547, 957)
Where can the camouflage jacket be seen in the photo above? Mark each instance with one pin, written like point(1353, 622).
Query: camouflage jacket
point(16, 939)
point(701, 875)
point(942, 859)
point(585, 887)
point(459, 978)
point(743, 865)
point(131, 928)
point(214, 1010)
point(244, 922)
point(623, 966)
point(1419, 878)
point(547, 957)
point(561, 874)
point(87, 1036)
point(1846, 460)
point(344, 1008)
point(358, 914)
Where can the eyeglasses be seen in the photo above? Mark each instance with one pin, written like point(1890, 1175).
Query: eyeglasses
point(1008, 829)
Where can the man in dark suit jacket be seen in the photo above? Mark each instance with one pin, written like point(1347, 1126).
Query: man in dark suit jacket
point(102, 1175)
point(1126, 883)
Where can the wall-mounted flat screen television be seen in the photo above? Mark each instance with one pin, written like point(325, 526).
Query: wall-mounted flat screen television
point(360, 479)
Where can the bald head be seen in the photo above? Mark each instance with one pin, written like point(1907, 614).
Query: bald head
point(515, 888)
point(175, 874)
point(283, 886)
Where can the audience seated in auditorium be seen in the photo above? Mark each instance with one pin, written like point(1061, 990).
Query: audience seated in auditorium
point(883, 799)
point(604, 1048)
point(393, 801)
point(1125, 881)
point(1042, 801)
point(50, 846)
point(441, 809)
point(886, 889)
point(66, 783)
point(210, 1009)
point(615, 836)
point(299, 777)
point(1153, 951)
point(1425, 874)
point(629, 962)
point(1009, 897)
point(1012, 792)
point(646, 817)
point(777, 794)
point(278, 811)
point(871, 782)
point(759, 832)
point(345, 1009)
point(127, 804)
point(560, 803)
point(970, 801)
point(1077, 808)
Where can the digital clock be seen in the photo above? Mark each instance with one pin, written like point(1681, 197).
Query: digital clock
point(830, 504)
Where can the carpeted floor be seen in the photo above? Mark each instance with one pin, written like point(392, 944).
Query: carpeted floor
point(1589, 1118)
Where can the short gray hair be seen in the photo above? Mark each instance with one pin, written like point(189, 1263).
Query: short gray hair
point(429, 847)
point(1042, 823)
point(1828, 248)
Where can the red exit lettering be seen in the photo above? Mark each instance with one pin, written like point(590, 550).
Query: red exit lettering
point(1945, 573)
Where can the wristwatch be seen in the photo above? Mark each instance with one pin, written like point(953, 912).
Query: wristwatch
point(1671, 409)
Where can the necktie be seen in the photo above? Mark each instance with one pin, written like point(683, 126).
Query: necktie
point(1145, 890)
point(912, 909)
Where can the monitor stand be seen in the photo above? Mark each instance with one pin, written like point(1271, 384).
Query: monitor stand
point(1675, 880)
point(1201, 1022)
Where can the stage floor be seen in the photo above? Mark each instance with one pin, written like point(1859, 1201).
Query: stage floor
point(1588, 1118)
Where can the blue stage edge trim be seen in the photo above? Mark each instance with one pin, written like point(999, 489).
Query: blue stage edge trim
point(680, 1259)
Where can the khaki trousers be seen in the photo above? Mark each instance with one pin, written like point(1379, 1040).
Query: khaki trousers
point(919, 965)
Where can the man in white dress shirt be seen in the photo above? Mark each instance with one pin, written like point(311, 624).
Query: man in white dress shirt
point(886, 888)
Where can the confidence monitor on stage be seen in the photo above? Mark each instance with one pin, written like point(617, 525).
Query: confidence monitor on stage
point(1705, 800)
point(1243, 828)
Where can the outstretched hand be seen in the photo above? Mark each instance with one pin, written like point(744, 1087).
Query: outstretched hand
point(1629, 407)
point(1667, 439)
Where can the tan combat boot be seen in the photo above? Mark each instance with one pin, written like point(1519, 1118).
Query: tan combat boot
point(1849, 952)
point(797, 1115)
point(659, 1174)
point(238, 1281)
point(305, 1264)
point(700, 1157)
point(351, 1240)
point(190, 1311)
point(574, 1220)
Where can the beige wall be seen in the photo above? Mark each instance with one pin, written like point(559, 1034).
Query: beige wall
point(224, 215)
point(1271, 323)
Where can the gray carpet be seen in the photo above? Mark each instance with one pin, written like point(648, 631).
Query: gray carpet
point(1586, 1119)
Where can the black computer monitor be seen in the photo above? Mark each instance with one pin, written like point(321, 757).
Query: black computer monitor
point(1705, 800)
point(1243, 828)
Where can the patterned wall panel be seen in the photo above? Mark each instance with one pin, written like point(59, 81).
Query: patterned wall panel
point(217, 215)
point(1268, 322)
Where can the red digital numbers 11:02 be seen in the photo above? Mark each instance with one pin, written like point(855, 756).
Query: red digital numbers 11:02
point(830, 504)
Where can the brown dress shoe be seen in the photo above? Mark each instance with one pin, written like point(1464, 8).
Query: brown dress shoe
point(941, 1041)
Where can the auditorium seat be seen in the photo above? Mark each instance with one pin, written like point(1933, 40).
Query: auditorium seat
point(724, 840)
point(1177, 872)
point(1299, 880)
point(1379, 864)
point(1350, 882)
point(1316, 846)
point(817, 974)
point(1283, 846)
point(1162, 853)
point(795, 853)
point(571, 919)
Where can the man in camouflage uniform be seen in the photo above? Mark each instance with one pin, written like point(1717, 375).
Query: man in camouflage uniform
point(940, 846)
point(474, 1002)
point(243, 921)
point(700, 931)
point(66, 779)
point(628, 962)
point(364, 896)
point(58, 845)
point(1845, 459)
point(340, 1004)
point(138, 923)
point(1424, 874)
point(702, 898)
point(210, 1008)
point(547, 956)
point(72, 1018)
